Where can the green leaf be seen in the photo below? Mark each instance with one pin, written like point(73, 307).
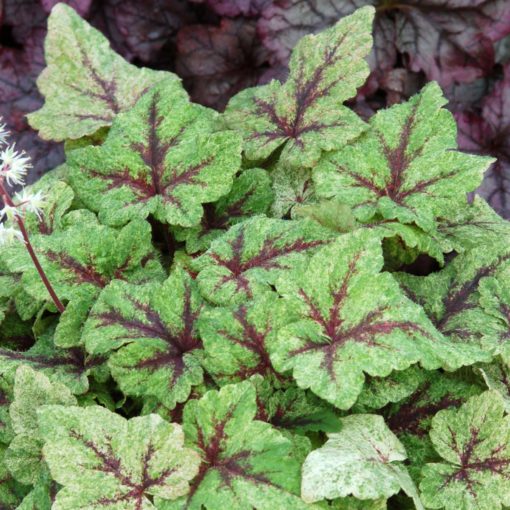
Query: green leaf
point(291, 409)
point(292, 187)
point(67, 366)
point(251, 194)
point(162, 157)
point(83, 258)
point(306, 115)
point(236, 339)
point(31, 391)
point(6, 398)
point(405, 167)
point(453, 300)
point(104, 460)
point(245, 463)
point(85, 84)
point(154, 331)
point(352, 320)
point(473, 225)
point(364, 459)
point(11, 492)
point(250, 256)
point(473, 442)
point(496, 376)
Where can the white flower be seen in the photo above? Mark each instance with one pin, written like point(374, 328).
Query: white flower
point(14, 165)
point(32, 202)
point(3, 134)
point(9, 234)
point(9, 212)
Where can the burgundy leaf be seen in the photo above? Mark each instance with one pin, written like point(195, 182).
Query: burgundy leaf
point(218, 62)
point(488, 133)
point(82, 7)
point(233, 8)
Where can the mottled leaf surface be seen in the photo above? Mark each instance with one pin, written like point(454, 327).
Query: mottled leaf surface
point(405, 166)
point(364, 459)
point(352, 320)
point(163, 157)
point(31, 391)
point(85, 83)
point(236, 339)
point(104, 460)
point(452, 299)
point(154, 333)
point(250, 256)
point(306, 115)
point(251, 195)
point(245, 463)
point(82, 259)
point(473, 443)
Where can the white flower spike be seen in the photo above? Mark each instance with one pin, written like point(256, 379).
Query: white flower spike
point(3, 133)
point(9, 212)
point(32, 202)
point(8, 235)
point(14, 165)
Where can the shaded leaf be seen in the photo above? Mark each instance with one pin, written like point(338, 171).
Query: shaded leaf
point(473, 443)
point(352, 320)
point(85, 83)
point(305, 115)
point(153, 331)
point(250, 256)
point(104, 460)
point(404, 167)
point(251, 195)
point(162, 158)
point(364, 459)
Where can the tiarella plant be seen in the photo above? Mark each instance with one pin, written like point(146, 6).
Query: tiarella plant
point(279, 307)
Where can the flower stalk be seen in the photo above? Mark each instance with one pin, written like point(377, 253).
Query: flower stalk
point(14, 166)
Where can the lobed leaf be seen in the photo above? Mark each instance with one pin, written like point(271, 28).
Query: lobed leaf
point(104, 460)
point(305, 115)
point(405, 166)
point(250, 256)
point(245, 463)
point(85, 83)
point(473, 443)
point(154, 333)
point(162, 157)
point(352, 320)
point(364, 459)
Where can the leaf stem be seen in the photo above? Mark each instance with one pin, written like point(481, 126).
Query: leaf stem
point(7, 199)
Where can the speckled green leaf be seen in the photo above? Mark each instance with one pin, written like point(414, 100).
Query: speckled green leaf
point(452, 299)
point(85, 84)
point(289, 408)
point(352, 320)
point(250, 256)
point(306, 115)
point(31, 391)
point(236, 339)
point(11, 492)
point(292, 187)
point(105, 461)
point(473, 225)
point(67, 366)
point(6, 398)
point(251, 194)
point(405, 165)
point(364, 459)
point(496, 376)
point(380, 391)
point(351, 503)
point(474, 443)
point(42, 495)
point(245, 463)
point(162, 157)
point(154, 333)
point(411, 417)
point(83, 258)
